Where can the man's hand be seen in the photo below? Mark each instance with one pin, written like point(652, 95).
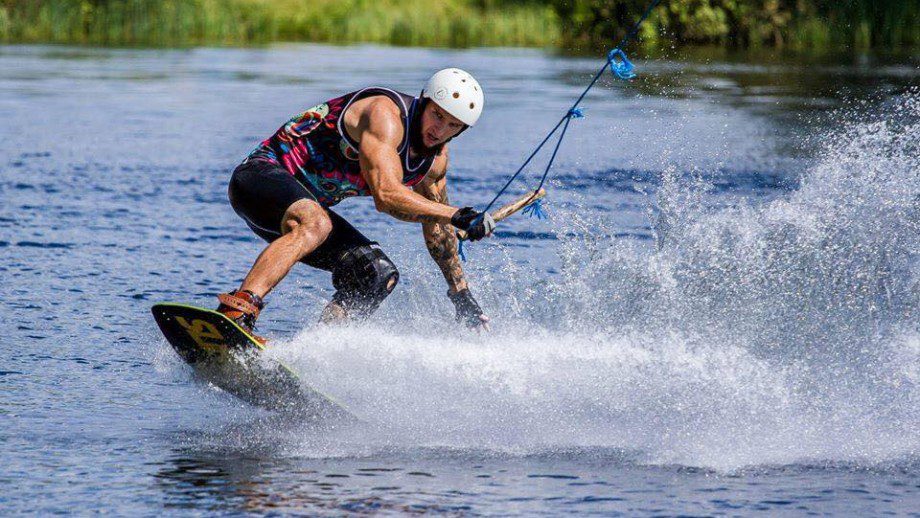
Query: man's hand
point(468, 310)
point(477, 225)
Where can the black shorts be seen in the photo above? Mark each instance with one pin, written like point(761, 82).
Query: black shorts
point(260, 192)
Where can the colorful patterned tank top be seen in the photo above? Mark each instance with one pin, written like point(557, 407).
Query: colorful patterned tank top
point(315, 148)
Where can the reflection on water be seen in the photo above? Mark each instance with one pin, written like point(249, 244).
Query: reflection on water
point(460, 482)
point(214, 482)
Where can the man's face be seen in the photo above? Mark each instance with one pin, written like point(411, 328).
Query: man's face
point(438, 126)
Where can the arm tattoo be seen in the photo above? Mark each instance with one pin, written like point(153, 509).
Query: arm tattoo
point(413, 218)
point(442, 245)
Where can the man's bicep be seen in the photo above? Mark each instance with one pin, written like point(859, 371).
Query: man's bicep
point(381, 134)
point(380, 164)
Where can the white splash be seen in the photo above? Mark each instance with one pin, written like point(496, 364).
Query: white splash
point(757, 334)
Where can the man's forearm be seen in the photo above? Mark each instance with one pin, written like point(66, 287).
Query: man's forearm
point(441, 241)
point(442, 245)
point(406, 205)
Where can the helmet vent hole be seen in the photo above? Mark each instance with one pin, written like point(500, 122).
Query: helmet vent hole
point(475, 88)
point(456, 95)
point(463, 80)
point(472, 105)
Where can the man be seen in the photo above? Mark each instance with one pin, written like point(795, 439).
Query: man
point(375, 142)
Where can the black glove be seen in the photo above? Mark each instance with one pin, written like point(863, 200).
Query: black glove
point(468, 310)
point(477, 225)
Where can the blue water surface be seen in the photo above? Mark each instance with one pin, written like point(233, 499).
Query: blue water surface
point(719, 317)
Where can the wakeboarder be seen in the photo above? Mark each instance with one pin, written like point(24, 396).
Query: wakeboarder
point(372, 142)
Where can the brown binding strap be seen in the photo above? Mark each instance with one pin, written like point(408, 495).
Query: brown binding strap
point(239, 303)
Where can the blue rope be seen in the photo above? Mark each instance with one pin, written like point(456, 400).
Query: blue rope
point(574, 113)
point(622, 68)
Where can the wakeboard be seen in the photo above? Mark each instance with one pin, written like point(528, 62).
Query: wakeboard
point(224, 354)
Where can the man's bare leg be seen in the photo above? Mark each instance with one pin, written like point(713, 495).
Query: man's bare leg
point(304, 227)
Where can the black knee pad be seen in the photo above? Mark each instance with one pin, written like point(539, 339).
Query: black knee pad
point(363, 277)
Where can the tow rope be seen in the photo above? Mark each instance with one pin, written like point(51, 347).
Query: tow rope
point(621, 68)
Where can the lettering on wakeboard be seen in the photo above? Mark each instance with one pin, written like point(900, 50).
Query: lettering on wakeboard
point(204, 333)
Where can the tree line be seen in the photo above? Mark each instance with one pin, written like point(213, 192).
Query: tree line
point(567, 24)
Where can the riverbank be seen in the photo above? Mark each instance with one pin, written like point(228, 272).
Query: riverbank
point(570, 25)
point(452, 23)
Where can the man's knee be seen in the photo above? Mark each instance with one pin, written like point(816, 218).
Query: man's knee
point(306, 216)
point(363, 279)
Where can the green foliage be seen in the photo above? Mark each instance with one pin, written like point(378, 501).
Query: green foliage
point(574, 24)
point(4, 24)
point(747, 23)
point(192, 22)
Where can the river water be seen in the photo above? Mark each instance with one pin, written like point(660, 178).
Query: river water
point(719, 316)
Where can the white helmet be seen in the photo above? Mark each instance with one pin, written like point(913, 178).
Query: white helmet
point(457, 93)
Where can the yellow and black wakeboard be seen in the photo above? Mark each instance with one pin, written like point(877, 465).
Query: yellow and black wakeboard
point(222, 353)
